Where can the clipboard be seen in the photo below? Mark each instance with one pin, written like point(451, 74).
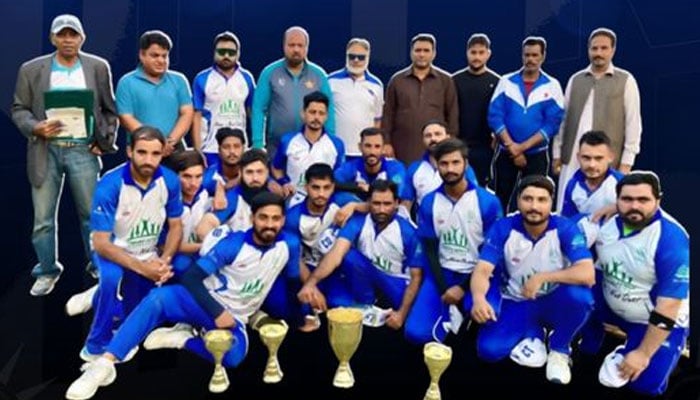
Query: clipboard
point(68, 101)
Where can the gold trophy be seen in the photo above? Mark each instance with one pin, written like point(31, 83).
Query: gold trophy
point(437, 357)
point(272, 334)
point(345, 333)
point(218, 342)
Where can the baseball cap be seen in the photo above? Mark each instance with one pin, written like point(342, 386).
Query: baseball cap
point(67, 21)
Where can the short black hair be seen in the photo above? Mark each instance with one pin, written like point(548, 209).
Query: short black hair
point(641, 178)
point(450, 146)
point(145, 132)
point(186, 159)
point(371, 131)
point(227, 36)
point(315, 97)
point(264, 199)
point(434, 121)
point(226, 132)
point(155, 37)
point(536, 40)
point(424, 37)
point(603, 32)
point(253, 155)
point(594, 138)
point(479, 38)
point(538, 181)
point(319, 171)
point(383, 185)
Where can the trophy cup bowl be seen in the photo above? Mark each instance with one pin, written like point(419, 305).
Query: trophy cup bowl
point(218, 342)
point(437, 358)
point(345, 333)
point(272, 334)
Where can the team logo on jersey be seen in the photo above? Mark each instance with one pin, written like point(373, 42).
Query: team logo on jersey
point(544, 289)
point(454, 237)
point(613, 272)
point(229, 107)
point(251, 288)
point(382, 263)
point(144, 230)
point(309, 84)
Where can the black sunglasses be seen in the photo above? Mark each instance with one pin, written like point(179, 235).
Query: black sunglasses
point(358, 57)
point(226, 52)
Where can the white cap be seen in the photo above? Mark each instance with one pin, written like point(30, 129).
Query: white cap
point(67, 21)
point(609, 374)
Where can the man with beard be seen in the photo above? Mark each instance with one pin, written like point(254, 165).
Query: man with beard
point(423, 176)
point(224, 174)
point(358, 96)
point(452, 223)
point(281, 87)
point(222, 96)
point(544, 271)
point(416, 94)
point(299, 149)
point(525, 113)
point(390, 257)
point(129, 211)
point(221, 290)
point(357, 174)
point(645, 257)
point(475, 85)
point(236, 215)
point(600, 97)
point(154, 95)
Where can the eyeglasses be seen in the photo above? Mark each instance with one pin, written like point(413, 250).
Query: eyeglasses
point(226, 52)
point(358, 57)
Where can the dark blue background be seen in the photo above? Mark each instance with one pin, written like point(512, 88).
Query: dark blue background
point(658, 42)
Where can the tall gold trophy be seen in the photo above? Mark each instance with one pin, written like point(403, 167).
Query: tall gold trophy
point(272, 334)
point(218, 342)
point(437, 357)
point(345, 333)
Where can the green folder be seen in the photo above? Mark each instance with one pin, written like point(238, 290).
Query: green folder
point(79, 98)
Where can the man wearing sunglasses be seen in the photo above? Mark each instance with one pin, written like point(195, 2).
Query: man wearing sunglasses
point(222, 96)
point(358, 95)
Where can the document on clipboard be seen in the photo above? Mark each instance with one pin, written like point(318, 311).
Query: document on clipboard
point(74, 109)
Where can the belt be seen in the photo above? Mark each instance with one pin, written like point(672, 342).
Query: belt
point(60, 143)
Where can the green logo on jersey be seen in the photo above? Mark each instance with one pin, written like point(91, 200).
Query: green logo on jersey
point(229, 107)
point(144, 230)
point(382, 263)
point(454, 238)
point(251, 288)
point(614, 271)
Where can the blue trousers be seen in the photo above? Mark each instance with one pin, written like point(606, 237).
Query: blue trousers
point(365, 279)
point(174, 303)
point(564, 311)
point(424, 321)
point(119, 291)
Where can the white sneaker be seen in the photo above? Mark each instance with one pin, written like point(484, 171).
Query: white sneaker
point(44, 285)
point(172, 337)
point(530, 352)
point(86, 356)
point(558, 370)
point(100, 372)
point(609, 374)
point(81, 303)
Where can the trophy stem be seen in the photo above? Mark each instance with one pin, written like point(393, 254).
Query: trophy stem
point(219, 380)
point(343, 376)
point(273, 371)
point(433, 392)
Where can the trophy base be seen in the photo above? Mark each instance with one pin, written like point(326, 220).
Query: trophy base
point(273, 372)
point(219, 381)
point(344, 378)
point(432, 394)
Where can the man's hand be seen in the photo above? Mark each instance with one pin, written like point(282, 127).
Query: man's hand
point(343, 214)
point(482, 311)
point(453, 295)
point(169, 147)
point(556, 166)
point(47, 128)
point(625, 169)
point(156, 270)
point(394, 320)
point(532, 286)
point(520, 161)
point(309, 294)
point(516, 149)
point(225, 320)
point(275, 188)
point(388, 151)
point(634, 363)
point(364, 186)
point(288, 190)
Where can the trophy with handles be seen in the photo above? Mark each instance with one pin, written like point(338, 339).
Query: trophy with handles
point(272, 334)
point(218, 342)
point(344, 333)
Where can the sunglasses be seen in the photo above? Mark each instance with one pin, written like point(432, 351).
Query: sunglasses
point(226, 52)
point(358, 57)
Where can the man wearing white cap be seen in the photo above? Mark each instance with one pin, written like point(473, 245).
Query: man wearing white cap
point(57, 150)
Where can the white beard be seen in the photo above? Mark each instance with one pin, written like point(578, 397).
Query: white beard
point(355, 71)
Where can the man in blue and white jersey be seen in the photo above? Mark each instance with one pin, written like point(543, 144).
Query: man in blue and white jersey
point(422, 176)
point(225, 173)
point(222, 96)
point(645, 257)
point(358, 96)
point(323, 209)
point(525, 112)
point(390, 257)
point(281, 88)
point(452, 223)
point(131, 206)
point(299, 149)
point(357, 174)
point(545, 271)
point(236, 216)
point(221, 290)
point(591, 190)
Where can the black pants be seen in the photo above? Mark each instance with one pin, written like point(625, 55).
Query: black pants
point(506, 175)
point(480, 158)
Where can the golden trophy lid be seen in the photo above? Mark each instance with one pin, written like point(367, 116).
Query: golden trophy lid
point(437, 351)
point(345, 315)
